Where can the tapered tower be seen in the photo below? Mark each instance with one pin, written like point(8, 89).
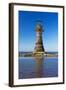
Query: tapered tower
point(39, 48)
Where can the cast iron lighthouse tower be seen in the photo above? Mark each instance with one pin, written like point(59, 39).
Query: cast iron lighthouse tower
point(39, 49)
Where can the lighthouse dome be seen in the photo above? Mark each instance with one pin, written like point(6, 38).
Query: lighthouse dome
point(39, 26)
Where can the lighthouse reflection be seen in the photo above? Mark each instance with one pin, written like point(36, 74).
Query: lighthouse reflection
point(38, 66)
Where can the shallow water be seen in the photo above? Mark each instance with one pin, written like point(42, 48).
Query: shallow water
point(30, 67)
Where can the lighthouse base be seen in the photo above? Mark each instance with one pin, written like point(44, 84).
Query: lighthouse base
point(38, 54)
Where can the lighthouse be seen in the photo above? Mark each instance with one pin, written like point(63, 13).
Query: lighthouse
point(39, 48)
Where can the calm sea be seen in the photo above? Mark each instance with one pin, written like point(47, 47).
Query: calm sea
point(31, 67)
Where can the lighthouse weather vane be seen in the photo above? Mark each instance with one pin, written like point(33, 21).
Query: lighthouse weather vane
point(39, 48)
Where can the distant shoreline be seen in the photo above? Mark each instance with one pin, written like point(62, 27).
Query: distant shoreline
point(46, 54)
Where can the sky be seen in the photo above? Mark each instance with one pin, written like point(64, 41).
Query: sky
point(27, 33)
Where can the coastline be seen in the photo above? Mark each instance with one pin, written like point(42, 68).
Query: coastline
point(30, 54)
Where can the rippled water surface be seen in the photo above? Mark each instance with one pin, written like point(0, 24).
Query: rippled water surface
point(30, 67)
